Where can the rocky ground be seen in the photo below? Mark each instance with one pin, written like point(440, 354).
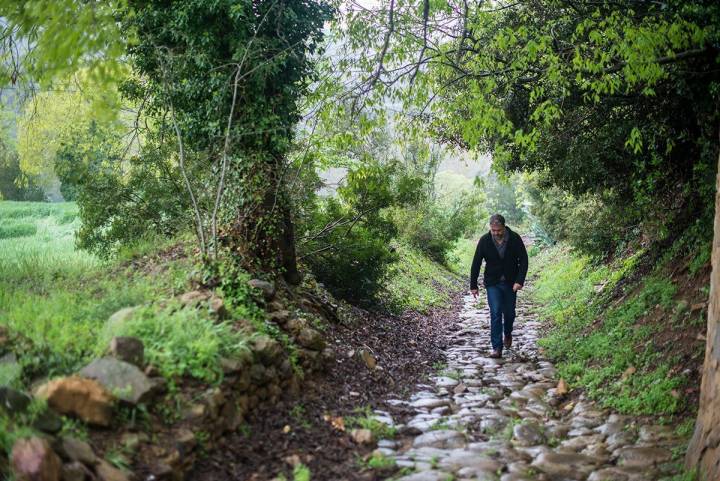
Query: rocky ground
point(377, 357)
point(509, 419)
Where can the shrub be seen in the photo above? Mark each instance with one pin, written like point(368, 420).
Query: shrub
point(345, 239)
point(122, 200)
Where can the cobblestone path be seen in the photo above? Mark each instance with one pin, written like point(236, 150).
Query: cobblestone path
point(502, 419)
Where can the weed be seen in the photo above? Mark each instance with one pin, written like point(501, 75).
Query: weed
point(118, 456)
point(686, 428)
point(415, 282)
point(440, 424)
point(380, 462)
point(74, 428)
point(299, 415)
point(439, 366)
point(301, 473)
point(597, 358)
point(366, 420)
point(183, 341)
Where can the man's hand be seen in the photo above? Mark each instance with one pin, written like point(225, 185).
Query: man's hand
point(474, 292)
point(517, 287)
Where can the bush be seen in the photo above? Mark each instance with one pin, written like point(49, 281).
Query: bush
point(434, 228)
point(121, 200)
point(345, 239)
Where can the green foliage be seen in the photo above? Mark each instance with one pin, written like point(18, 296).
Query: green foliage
point(611, 102)
point(62, 36)
point(301, 473)
point(596, 354)
point(8, 230)
point(434, 228)
point(60, 117)
point(461, 255)
point(14, 185)
point(380, 462)
point(183, 341)
point(121, 201)
point(222, 81)
point(416, 282)
point(55, 300)
point(345, 239)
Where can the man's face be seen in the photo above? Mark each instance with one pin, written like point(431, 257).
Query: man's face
point(497, 231)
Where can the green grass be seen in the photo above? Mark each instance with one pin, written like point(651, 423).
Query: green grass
point(595, 354)
point(181, 342)
point(55, 301)
point(365, 419)
point(416, 282)
point(461, 256)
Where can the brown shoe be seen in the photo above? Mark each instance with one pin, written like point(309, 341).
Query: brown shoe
point(508, 341)
point(496, 354)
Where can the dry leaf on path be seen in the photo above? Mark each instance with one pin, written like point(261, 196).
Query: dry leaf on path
point(335, 421)
point(562, 387)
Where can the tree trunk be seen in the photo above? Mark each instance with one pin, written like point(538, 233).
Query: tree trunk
point(704, 449)
point(286, 246)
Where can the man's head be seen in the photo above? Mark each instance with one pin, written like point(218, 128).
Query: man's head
point(497, 226)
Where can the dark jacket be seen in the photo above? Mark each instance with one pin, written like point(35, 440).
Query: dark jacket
point(513, 266)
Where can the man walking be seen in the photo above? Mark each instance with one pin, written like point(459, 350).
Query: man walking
point(506, 265)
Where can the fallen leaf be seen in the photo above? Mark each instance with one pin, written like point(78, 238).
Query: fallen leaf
point(460, 388)
point(628, 372)
point(335, 421)
point(562, 387)
point(370, 361)
point(293, 460)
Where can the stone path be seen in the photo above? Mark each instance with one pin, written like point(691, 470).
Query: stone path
point(502, 419)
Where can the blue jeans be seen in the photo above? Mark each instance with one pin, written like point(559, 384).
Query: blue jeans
point(501, 300)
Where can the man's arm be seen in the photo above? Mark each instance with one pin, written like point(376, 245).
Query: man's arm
point(475, 268)
point(522, 263)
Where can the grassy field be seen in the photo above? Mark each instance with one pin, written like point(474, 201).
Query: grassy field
point(55, 300)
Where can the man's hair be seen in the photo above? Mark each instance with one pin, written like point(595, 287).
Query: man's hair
point(496, 219)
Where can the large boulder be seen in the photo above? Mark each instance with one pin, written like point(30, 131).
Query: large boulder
point(85, 398)
point(128, 349)
point(34, 460)
point(123, 379)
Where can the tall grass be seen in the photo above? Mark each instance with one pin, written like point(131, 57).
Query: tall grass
point(41, 250)
point(55, 299)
